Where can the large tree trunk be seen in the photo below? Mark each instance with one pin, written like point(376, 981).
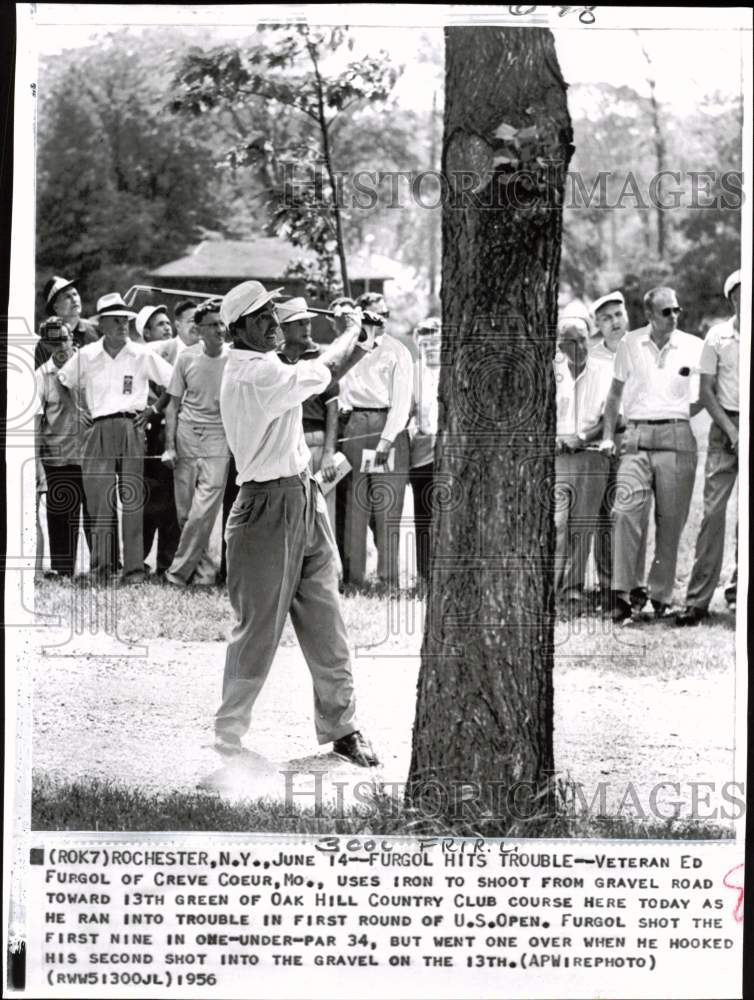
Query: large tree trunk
point(484, 714)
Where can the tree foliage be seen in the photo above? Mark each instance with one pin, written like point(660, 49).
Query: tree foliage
point(296, 72)
point(121, 187)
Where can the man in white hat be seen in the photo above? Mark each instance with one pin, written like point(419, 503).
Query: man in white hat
point(197, 449)
point(62, 299)
point(152, 324)
point(319, 412)
point(654, 382)
point(281, 552)
point(718, 391)
point(112, 378)
point(611, 323)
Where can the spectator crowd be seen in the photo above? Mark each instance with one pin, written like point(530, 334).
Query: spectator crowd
point(131, 444)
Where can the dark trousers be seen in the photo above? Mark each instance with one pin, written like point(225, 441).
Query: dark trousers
point(160, 516)
point(65, 501)
point(229, 497)
point(421, 478)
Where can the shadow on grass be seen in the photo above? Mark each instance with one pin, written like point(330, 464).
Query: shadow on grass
point(94, 805)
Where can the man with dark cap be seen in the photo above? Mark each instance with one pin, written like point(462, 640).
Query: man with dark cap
point(63, 300)
point(281, 550)
point(61, 427)
point(719, 392)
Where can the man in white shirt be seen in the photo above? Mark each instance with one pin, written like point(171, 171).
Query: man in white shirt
point(581, 471)
point(375, 404)
point(281, 552)
point(653, 377)
point(196, 448)
point(718, 390)
point(611, 322)
point(112, 377)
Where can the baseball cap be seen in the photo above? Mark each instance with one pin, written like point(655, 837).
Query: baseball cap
point(293, 309)
point(244, 299)
point(53, 287)
point(615, 296)
point(730, 283)
point(144, 315)
point(113, 305)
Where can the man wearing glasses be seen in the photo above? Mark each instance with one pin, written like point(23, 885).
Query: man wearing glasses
point(655, 377)
point(281, 551)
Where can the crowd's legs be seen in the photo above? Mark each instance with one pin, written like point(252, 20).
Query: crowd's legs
point(200, 480)
point(380, 495)
point(720, 473)
point(160, 516)
point(115, 452)
point(659, 459)
point(421, 479)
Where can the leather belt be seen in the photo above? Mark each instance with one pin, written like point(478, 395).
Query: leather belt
point(366, 409)
point(730, 413)
point(657, 423)
point(113, 416)
point(252, 484)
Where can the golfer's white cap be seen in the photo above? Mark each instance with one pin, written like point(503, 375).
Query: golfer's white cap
point(615, 296)
point(730, 282)
point(244, 299)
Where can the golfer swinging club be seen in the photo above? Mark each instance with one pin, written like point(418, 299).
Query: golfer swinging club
point(281, 550)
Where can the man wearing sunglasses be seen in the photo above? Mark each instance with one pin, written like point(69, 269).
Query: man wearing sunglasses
point(281, 551)
point(655, 378)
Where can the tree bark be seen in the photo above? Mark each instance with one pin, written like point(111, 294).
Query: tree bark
point(484, 718)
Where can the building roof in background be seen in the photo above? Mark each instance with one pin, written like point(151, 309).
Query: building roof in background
point(265, 258)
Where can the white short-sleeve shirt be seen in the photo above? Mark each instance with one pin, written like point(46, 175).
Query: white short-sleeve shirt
point(658, 384)
point(114, 385)
point(720, 357)
point(260, 403)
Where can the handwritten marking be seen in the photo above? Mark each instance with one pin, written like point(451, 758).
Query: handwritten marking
point(738, 908)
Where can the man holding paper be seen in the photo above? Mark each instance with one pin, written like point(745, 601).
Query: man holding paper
point(375, 402)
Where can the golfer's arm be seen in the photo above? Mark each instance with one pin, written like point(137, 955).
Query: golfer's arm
point(612, 409)
point(343, 353)
point(331, 425)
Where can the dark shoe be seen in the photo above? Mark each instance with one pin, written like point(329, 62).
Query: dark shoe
point(691, 616)
point(132, 579)
point(662, 611)
point(356, 749)
point(638, 598)
point(621, 611)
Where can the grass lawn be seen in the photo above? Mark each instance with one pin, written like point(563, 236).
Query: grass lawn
point(648, 700)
